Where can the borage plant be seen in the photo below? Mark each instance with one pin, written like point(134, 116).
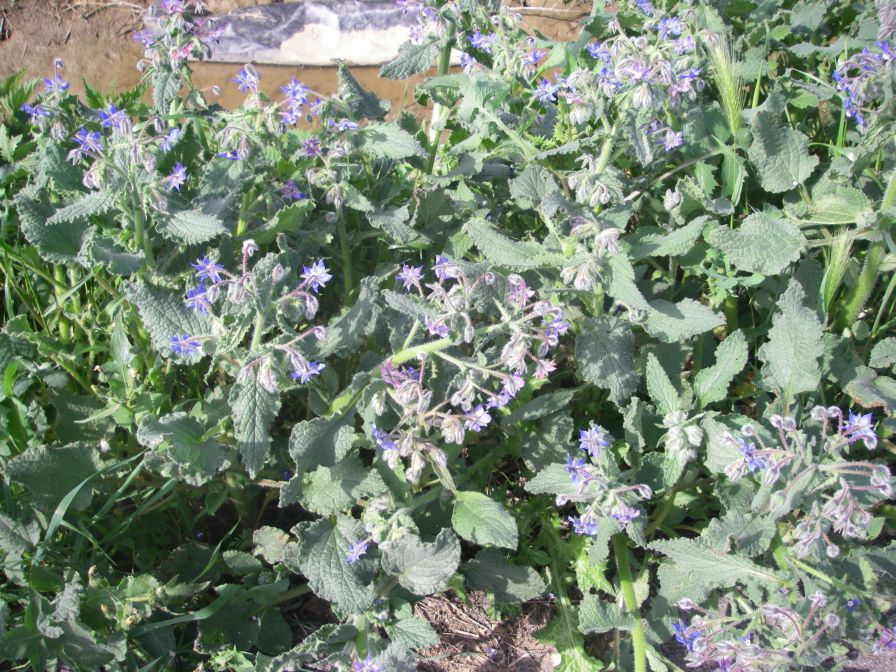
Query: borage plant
point(610, 325)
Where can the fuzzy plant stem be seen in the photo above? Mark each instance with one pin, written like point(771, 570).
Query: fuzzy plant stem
point(346, 253)
point(439, 111)
point(639, 642)
point(258, 330)
point(871, 268)
point(243, 219)
point(607, 147)
point(65, 329)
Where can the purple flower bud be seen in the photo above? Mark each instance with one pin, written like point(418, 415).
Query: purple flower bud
point(410, 276)
point(166, 142)
point(585, 525)
point(483, 42)
point(382, 439)
point(311, 147)
point(175, 178)
point(477, 419)
point(112, 117)
point(858, 427)
point(206, 268)
point(306, 370)
point(296, 92)
point(546, 91)
point(578, 472)
point(56, 85)
point(366, 665)
point(530, 60)
point(543, 368)
point(34, 111)
point(197, 300)
point(596, 51)
point(355, 551)
point(316, 276)
point(593, 439)
point(669, 26)
point(342, 125)
point(437, 328)
point(247, 79)
point(291, 191)
point(444, 268)
point(185, 345)
point(685, 636)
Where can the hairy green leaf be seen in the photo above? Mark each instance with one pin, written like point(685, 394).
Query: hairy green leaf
point(191, 226)
point(480, 519)
point(320, 553)
point(422, 567)
point(540, 406)
point(164, 315)
point(598, 616)
point(674, 322)
point(660, 388)
point(387, 141)
point(780, 154)
point(187, 456)
point(412, 59)
point(604, 355)
point(512, 254)
point(57, 242)
point(761, 244)
point(510, 584)
point(656, 243)
point(883, 354)
point(746, 532)
point(254, 408)
point(51, 472)
point(347, 330)
point(711, 383)
point(361, 102)
point(329, 490)
point(794, 346)
point(707, 568)
point(93, 203)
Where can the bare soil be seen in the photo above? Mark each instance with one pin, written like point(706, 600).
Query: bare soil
point(469, 641)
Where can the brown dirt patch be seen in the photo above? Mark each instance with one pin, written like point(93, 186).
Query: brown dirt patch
point(472, 642)
point(92, 38)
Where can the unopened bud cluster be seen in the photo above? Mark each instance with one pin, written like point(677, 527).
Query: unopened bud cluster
point(598, 483)
point(814, 477)
point(263, 294)
point(487, 327)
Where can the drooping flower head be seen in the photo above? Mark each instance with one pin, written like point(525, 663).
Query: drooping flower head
point(208, 269)
point(316, 276)
point(185, 345)
point(176, 177)
point(247, 79)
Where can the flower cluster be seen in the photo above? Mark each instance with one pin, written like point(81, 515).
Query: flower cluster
point(644, 73)
point(183, 33)
point(467, 310)
point(366, 665)
point(598, 482)
point(842, 490)
point(42, 114)
point(247, 291)
point(863, 78)
point(296, 100)
point(732, 638)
